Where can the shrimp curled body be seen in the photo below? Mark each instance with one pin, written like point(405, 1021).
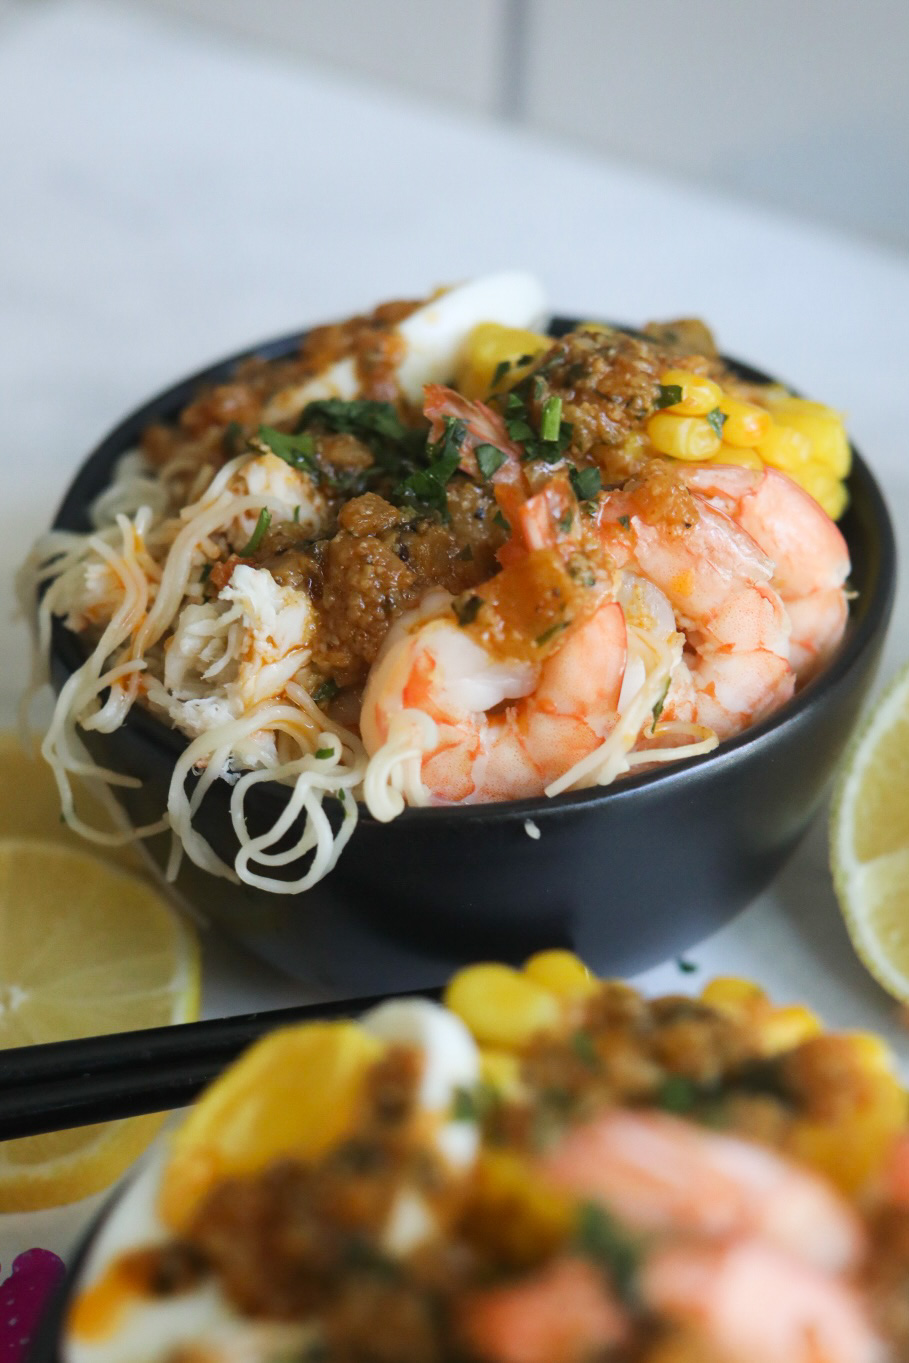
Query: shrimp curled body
point(546, 716)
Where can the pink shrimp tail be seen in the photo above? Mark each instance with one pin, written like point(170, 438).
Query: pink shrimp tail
point(484, 427)
point(563, 1312)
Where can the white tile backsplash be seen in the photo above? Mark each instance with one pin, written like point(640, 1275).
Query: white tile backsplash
point(452, 50)
point(799, 104)
point(802, 104)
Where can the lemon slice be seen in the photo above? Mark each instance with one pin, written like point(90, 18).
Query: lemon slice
point(30, 804)
point(85, 949)
point(869, 839)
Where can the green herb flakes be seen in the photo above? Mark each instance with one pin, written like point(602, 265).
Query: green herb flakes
point(669, 395)
point(322, 753)
point(717, 420)
point(499, 519)
point(585, 482)
point(501, 370)
point(551, 419)
point(489, 459)
point(467, 611)
point(686, 967)
point(551, 633)
point(625, 522)
point(257, 535)
point(326, 691)
point(297, 450)
point(677, 1094)
point(658, 707)
point(599, 1238)
point(585, 1050)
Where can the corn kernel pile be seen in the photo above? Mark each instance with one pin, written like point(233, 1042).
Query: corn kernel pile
point(803, 439)
point(854, 1105)
point(697, 420)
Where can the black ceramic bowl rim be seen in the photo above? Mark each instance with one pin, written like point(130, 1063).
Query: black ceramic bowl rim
point(94, 475)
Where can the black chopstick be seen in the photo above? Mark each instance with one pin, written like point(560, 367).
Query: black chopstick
point(101, 1078)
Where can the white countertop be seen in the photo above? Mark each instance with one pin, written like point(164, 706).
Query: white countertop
point(169, 199)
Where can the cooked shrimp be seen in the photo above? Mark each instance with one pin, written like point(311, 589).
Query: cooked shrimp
point(752, 1303)
point(659, 1173)
point(483, 426)
point(718, 582)
point(565, 1312)
point(810, 557)
point(561, 709)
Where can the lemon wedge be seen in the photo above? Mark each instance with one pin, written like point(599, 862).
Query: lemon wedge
point(869, 839)
point(295, 1093)
point(30, 804)
point(85, 949)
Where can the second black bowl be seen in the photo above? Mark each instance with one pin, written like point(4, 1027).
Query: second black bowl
point(625, 876)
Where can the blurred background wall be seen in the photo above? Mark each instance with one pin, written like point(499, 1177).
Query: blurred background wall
point(802, 105)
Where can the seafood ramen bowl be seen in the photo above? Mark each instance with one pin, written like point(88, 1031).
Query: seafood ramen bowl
point(548, 1168)
point(626, 872)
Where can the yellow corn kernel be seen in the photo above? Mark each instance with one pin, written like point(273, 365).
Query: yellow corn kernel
point(785, 448)
point(733, 995)
point(512, 1213)
point(824, 429)
point(562, 973)
point(491, 346)
point(824, 487)
point(699, 395)
point(786, 1027)
point(684, 437)
point(871, 1051)
point(501, 1006)
point(748, 459)
point(745, 424)
point(853, 1150)
point(500, 1069)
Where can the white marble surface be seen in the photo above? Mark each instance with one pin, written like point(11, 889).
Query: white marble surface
point(168, 199)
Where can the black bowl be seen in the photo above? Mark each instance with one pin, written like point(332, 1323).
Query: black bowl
point(626, 876)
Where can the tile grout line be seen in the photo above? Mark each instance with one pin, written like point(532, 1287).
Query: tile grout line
point(513, 60)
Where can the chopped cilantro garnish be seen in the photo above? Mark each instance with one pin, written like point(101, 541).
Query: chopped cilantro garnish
point(297, 450)
point(489, 459)
point(686, 967)
point(473, 1104)
point(585, 1050)
point(467, 611)
point(658, 707)
point(501, 370)
point(257, 535)
point(466, 554)
point(586, 483)
point(565, 522)
point(499, 519)
point(232, 439)
point(600, 1238)
point(625, 522)
point(324, 752)
point(677, 1094)
point(426, 486)
point(551, 419)
point(296, 515)
point(520, 429)
point(361, 417)
point(717, 420)
point(523, 359)
point(550, 633)
point(669, 395)
point(326, 691)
